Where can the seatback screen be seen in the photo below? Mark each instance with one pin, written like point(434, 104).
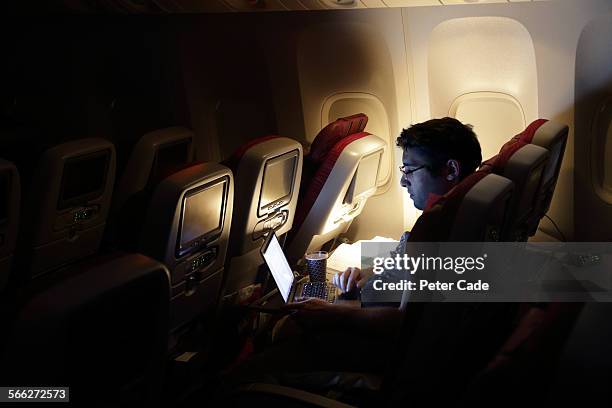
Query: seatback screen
point(277, 180)
point(83, 178)
point(202, 213)
point(279, 267)
point(367, 172)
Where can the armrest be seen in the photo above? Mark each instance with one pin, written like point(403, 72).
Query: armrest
point(293, 393)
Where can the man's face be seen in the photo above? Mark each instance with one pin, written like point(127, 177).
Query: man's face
point(423, 182)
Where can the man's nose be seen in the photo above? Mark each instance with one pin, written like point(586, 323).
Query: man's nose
point(404, 181)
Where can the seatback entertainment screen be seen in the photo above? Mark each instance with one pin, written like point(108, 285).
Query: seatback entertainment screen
point(83, 179)
point(202, 214)
point(278, 181)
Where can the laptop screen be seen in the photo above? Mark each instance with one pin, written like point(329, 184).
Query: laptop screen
point(279, 267)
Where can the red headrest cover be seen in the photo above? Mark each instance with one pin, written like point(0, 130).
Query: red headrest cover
point(527, 134)
point(334, 132)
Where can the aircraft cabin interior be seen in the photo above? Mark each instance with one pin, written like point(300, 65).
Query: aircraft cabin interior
point(157, 157)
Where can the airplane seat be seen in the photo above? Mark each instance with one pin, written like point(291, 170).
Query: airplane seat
point(156, 153)
point(524, 165)
point(267, 173)
point(155, 156)
point(64, 207)
point(525, 364)
point(451, 217)
point(483, 210)
point(187, 226)
point(553, 137)
point(10, 195)
point(340, 174)
point(102, 326)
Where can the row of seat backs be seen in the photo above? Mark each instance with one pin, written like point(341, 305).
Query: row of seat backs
point(64, 214)
point(161, 153)
point(328, 177)
point(178, 211)
point(512, 212)
point(532, 160)
point(54, 321)
point(526, 360)
point(61, 215)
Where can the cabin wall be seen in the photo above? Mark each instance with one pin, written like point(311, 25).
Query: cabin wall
point(325, 65)
point(593, 124)
point(226, 80)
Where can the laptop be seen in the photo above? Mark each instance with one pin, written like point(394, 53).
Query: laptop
point(285, 279)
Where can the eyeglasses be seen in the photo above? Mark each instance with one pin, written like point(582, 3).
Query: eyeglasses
point(408, 172)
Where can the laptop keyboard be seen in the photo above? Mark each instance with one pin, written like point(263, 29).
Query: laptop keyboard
point(319, 290)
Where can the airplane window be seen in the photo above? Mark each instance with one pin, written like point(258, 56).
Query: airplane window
point(496, 117)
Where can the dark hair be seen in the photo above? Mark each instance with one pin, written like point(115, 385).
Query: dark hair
point(442, 140)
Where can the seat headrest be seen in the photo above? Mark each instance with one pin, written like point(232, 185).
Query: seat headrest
point(334, 132)
point(435, 224)
point(529, 132)
point(234, 159)
point(497, 163)
point(456, 192)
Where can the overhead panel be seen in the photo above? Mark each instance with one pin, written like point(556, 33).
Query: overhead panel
point(341, 4)
point(411, 3)
point(472, 1)
point(256, 5)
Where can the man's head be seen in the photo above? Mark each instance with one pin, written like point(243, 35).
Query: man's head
point(438, 154)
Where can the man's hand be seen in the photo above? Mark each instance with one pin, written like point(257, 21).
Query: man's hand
point(316, 313)
point(351, 279)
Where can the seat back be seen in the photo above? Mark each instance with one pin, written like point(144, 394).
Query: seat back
point(267, 173)
point(187, 226)
point(524, 165)
point(525, 364)
point(474, 210)
point(65, 206)
point(103, 325)
point(553, 137)
point(340, 174)
point(483, 210)
point(157, 154)
point(10, 194)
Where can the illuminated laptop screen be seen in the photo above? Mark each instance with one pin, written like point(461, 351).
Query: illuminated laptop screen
point(279, 267)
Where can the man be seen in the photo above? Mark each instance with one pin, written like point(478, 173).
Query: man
point(437, 155)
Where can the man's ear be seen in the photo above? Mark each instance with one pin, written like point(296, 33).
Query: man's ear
point(454, 169)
